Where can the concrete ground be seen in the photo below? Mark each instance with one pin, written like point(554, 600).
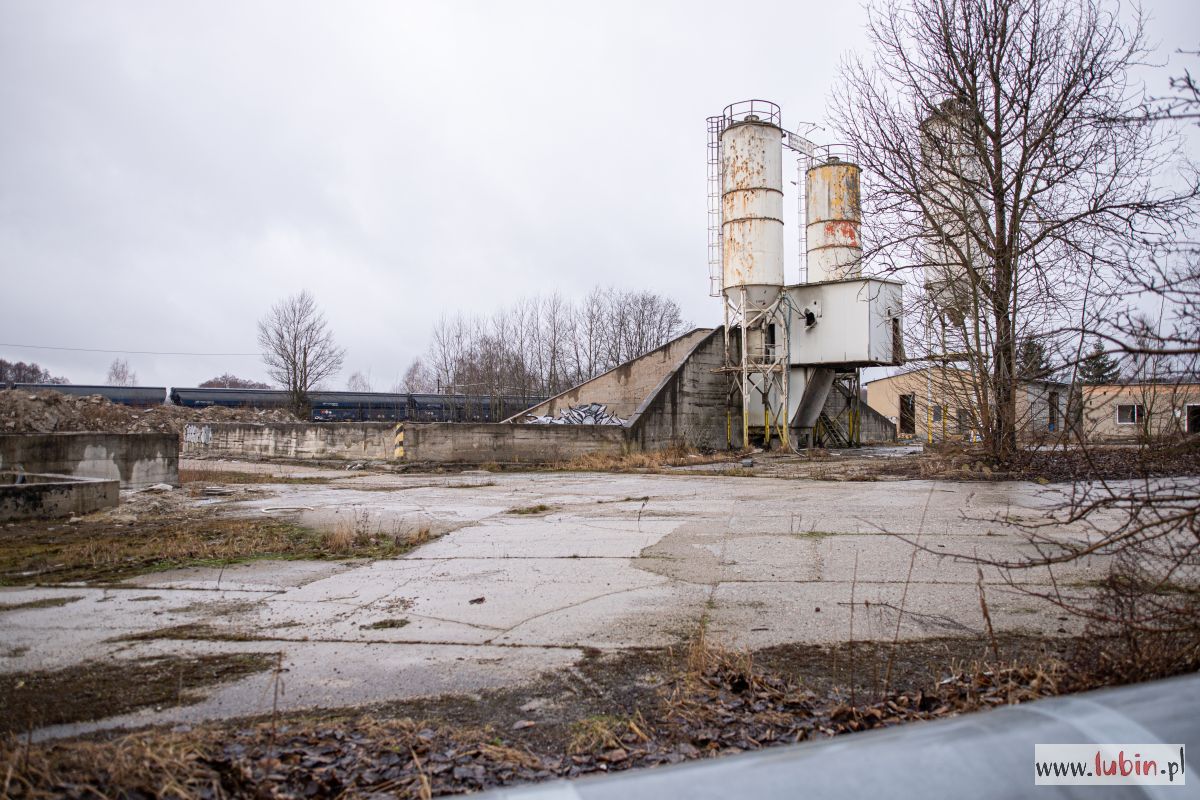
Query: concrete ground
point(615, 561)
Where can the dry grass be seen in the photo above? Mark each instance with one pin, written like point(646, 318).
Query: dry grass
point(711, 702)
point(209, 477)
point(540, 508)
point(47, 602)
point(287, 762)
point(642, 461)
point(95, 551)
point(359, 531)
point(601, 732)
point(147, 764)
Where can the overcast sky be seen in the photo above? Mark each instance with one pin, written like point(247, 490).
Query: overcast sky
point(169, 170)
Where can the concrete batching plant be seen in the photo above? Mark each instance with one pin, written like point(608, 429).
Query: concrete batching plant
point(786, 344)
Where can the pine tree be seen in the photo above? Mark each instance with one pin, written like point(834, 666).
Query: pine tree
point(1032, 361)
point(1098, 366)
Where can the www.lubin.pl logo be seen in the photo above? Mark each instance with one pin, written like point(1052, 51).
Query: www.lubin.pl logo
point(1109, 765)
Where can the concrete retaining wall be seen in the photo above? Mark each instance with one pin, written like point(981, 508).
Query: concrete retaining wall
point(689, 404)
point(43, 496)
point(448, 442)
point(625, 388)
point(136, 460)
point(505, 443)
point(332, 440)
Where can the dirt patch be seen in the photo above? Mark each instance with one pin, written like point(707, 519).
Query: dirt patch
point(188, 632)
point(540, 508)
point(386, 624)
point(100, 550)
point(48, 602)
point(219, 476)
point(99, 690)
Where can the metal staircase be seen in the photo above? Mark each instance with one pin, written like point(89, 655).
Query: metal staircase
point(830, 433)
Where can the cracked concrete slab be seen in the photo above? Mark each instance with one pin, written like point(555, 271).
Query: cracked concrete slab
point(616, 561)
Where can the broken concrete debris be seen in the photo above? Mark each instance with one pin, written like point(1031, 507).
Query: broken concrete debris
point(586, 414)
point(22, 411)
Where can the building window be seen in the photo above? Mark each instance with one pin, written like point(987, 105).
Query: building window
point(1131, 414)
point(908, 413)
point(1053, 403)
point(1193, 418)
point(937, 413)
point(964, 421)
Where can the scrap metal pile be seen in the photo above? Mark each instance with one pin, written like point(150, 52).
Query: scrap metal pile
point(586, 414)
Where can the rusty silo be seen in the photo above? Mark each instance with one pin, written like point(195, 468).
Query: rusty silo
point(833, 218)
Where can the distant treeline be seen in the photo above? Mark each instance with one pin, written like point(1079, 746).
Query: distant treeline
point(543, 345)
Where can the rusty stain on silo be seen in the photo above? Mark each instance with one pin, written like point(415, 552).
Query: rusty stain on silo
point(752, 204)
point(834, 221)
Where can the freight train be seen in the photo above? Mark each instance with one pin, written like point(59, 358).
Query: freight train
point(326, 406)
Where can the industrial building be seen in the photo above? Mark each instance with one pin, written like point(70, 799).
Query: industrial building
point(1139, 411)
point(939, 403)
point(769, 373)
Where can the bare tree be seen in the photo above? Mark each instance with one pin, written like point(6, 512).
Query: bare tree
point(359, 382)
point(298, 347)
point(417, 379)
point(119, 374)
point(20, 372)
point(230, 381)
point(1138, 504)
point(543, 345)
point(1004, 166)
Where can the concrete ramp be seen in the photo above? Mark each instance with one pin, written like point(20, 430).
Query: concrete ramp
point(625, 388)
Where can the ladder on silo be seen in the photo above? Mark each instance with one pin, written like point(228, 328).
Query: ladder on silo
point(715, 126)
point(805, 150)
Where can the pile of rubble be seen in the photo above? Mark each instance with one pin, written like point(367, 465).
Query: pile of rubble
point(22, 411)
point(586, 414)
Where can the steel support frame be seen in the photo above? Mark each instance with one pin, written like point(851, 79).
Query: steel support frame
point(765, 372)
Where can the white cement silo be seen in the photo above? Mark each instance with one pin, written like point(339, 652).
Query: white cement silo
point(752, 207)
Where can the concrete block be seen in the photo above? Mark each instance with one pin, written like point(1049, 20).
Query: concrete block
point(137, 460)
point(43, 496)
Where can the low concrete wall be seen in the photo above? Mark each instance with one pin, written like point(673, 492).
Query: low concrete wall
point(689, 404)
point(874, 428)
point(42, 496)
point(137, 460)
point(366, 440)
point(625, 388)
point(505, 443)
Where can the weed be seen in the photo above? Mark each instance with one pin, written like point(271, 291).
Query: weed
point(597, 732)
point(736, 472)
point(676, 455)
point(385, 624)
point(813, 534)
point(540, 508)
point(215, 476)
